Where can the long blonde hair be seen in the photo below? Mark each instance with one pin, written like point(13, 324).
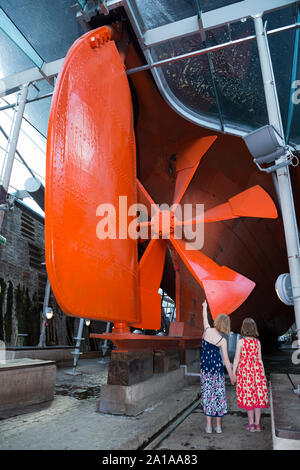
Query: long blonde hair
point(222, 324)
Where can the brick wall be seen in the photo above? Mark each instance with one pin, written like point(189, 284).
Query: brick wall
point(22, 280)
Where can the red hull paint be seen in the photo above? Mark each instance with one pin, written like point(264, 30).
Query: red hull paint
point(253, 247)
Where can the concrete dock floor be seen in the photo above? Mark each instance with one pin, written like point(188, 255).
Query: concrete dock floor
point(71, 422)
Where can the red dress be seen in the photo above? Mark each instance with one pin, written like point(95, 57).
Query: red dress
point(251, 389)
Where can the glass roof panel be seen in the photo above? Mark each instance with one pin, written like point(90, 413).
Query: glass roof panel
point(229, 79)
point(242, 29)
point(12, 59)
point(49, 26)
point(240, 87)
point(154, 13)
point(208, 5)
point(222, 90)
point(32, 147)
point(37, 113)
point(282, 46)
point(11, 30)
point(281, 17)
point(190, 81)
point(294, 132)
point(282, 57)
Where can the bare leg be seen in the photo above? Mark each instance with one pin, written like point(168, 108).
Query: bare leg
point(219, 422)
point(208, 421)
point(250, 416)
point(257, 413)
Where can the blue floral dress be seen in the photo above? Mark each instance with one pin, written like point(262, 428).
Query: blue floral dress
point(212, 379)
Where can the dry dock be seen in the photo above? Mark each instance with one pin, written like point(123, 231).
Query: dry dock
point(71, 421)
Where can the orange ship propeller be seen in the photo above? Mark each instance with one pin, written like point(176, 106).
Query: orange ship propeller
point(224, 288)
point(91, 159)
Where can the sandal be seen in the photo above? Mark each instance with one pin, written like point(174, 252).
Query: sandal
point(257, 427)
point(246, 426)
point(252, 428)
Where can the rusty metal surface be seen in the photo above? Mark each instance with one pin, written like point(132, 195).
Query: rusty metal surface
point(135, 342)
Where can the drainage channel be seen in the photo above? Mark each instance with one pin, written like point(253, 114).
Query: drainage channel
point(166, 430)
point(153, 442)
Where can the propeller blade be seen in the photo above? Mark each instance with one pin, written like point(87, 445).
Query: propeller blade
point(145, 231)
point(224, 288)
point(145, 199)
point(221, 212)
point(189, 157)
point(253, 202)
point(228, 292)
point(150, 272)
point(200, 265)
point(227, 296)
point(218, 213)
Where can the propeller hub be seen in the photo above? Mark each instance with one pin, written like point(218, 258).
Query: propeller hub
point(162, 224)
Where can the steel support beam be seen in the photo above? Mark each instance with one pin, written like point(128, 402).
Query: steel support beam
point(283, 175)
point(211, 19)
point(10, 29)
point(76, 353)
point(42, 341)
point(18, 153)
point(14, 82)
point(12, 146)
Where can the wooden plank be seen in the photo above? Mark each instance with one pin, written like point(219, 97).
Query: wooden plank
point(128, 368)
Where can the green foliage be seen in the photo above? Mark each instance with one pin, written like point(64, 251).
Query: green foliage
point(9, 313)
point(28, 316)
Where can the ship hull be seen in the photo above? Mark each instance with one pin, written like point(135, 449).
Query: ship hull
point(254, 247)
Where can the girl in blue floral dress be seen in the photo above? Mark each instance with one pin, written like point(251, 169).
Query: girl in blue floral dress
point(212, 376)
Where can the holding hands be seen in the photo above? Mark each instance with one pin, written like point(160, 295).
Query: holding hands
point(233, 379)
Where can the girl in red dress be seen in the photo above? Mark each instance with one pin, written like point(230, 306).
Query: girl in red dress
point(252, 393)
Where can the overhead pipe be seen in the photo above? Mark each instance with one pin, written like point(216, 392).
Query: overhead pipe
point(199, 52)
point(283, 175)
